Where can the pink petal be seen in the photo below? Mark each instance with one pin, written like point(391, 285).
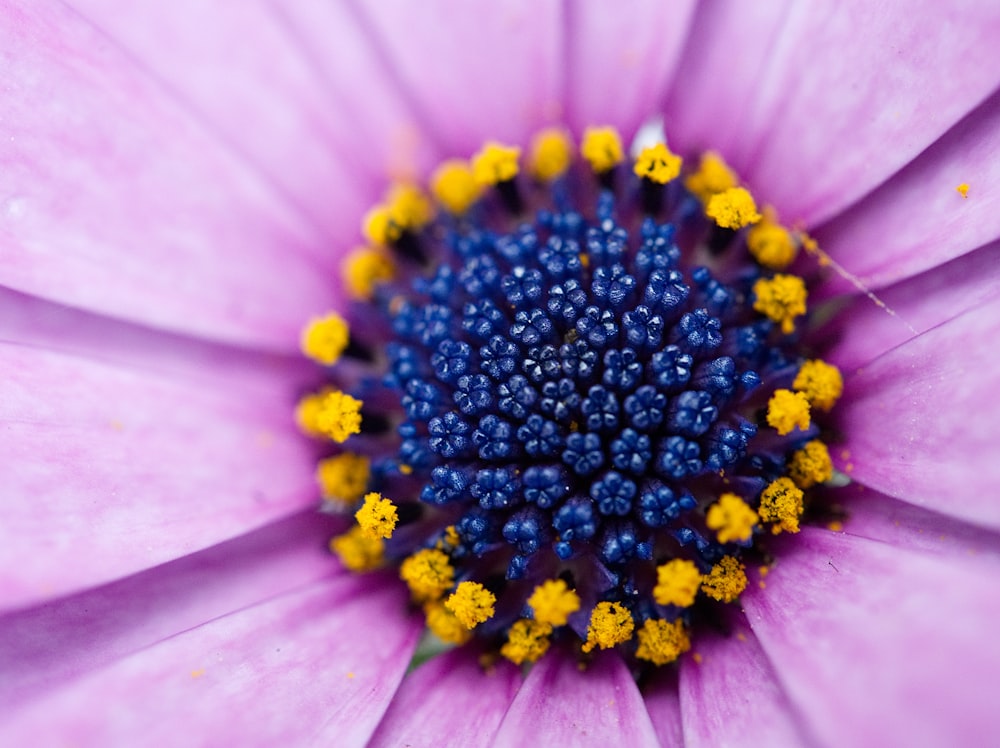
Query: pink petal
point(730, 696)
point(491, 71)
point(865, 330)
point(45, 647)
point(826, 101)
point(877, 645)
point(918, 220)
point(307, 666)
point(621, 58)
point(559, 705)
point(449, 701)
point(111, 469)
point(664, 708)
point(917, 422)
point(114, 198)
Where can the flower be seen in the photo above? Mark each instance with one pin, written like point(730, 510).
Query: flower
point(178, 188)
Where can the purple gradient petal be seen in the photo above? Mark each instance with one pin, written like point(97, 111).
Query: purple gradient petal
point(917, 422)
point(821, 127)
point(493, 70)
point(115, 199)
point(864, 330)
point(918, 220)
point(664, 707)
point(46, 647)
point(308, 666)
point(112, 469)
point(559, 705)
point(449, 701)
point(621, 57)
point(877, 645)
point(731, 697)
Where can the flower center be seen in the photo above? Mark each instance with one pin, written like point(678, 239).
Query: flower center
point(577, 402)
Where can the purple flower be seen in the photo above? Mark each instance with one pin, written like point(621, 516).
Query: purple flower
point(177, 188)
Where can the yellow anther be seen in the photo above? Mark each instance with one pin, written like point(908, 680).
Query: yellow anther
point(732, 518)
point(602, 148)
point(454, 186)
point(811, 465)
point(409, 207)
point(770, 244)
point(451, 536)
point(377, 517)
point(364, 269)
point(495, 163)
point(379, 226)
point(657, 164)
point(662, 642)
point(325, 338)
point(551, 153)
point(357, 551)
point(725, 581)
point(445, 625)
point(963, 190)
point(677, 583)
point(781, 299)
point(733, 209)
point(713, 176)
point(471, 603)
point(428, 573)
point(344, 477)
point(787, 410)
point(610, 625)
point(553, 602)
point(820, 382)
point(339, 416)
point(307, 412)
point(781, 504)
point(527, 640)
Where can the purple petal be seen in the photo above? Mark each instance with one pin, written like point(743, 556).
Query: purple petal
point(918, 422)
point(731, 697)
point(112, 469)
point(559, 705)
point(449, 701)
point(865, 330)
point(621, 58)
point(307, 666)
point(116, 199)
point(876, 645)
point(918, 220)
point(816, 128)
point(663, 705)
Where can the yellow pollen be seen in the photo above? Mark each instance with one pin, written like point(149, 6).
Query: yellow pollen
point(307, 412)
point(471, 603)
point(379, 226)
point(771, 244)
point(551, 153)
point(713, 176)
point(733, 519)
point(781, 299)
point(610, 625)
point(325, 338)
point(428, 573)
point(733, 209)
point(377, 518)
point(343, 477)
point(811, 465)
point(445, 625)
point(657, 164)
point(787, 410)
point(339, 416)
point(409, 207)
point(602, 148)
point(527, 640)
point(820, 382)
point(963, 190)
point(451, 536)
point(364, 269)
point(454, 186)
point(781, 504)
point(495, 164)
point(677, 583)
point(661, 642)
point(553, 601)
point(358, 551)
point(725, 581)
